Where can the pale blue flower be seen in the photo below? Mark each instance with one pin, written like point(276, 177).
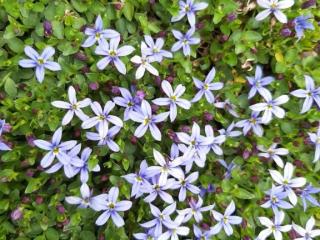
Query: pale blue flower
point(166, 168)
point(206, 87)
point(154, 49)
point(139, 180)
point(127, 101)
point(258, 82)
point(175, 231)
point(228, 167)
point(228, 106)
point(39, 62)
point(270, 107)
point(315, 139)
point(311, 94)
point(185, 183)
point(215, 141)
point(306, 196)
point(87, 200)
point(225, 220)
point(98, 34)
point(275, 199)
point(173, 99)
point(73, 106)
point(189, 8)
point(302, 23)
point(273, 153)
point(287, 183)
point(102, 118)
point(273, 227)
point(112, 54)
point(201, 234)
point(148, 121)
point(274, 7)
point(111, 207)
point(229, 132)
point(307, 233)
point(159, 190)
point(162, 218)
point(56, 148)
point(184, 41)
point(253, 123)
point(106, 139)
point(196, 209)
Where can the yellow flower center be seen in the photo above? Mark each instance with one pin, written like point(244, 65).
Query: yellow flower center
point(98, 35)
point(112, 53)
point(156, 50)
point(206, 86)
point(174, 98)
point(75, 106)
point(225, 219)
point(111, 205)
point(185, 41)
point(40, 61)
point(55, 150)
point(274, 199)
point(146, 121)
point(101, 117)
point(253, 120)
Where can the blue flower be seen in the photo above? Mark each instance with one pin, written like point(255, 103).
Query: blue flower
point(189, 8)
point(196, 209)
point(81, 165)
point(112, 54)
point(225, 220)
point(98, 34)
point(200, 234)
point(144, 63)
point(307, 233)
point(127, 101)
point(166, 168)
point(311, 94)
point(139, 180)
point(275, 199)
point(161, 218)
point(274, 7)
point(315, 139)
point(56, 148)
point(173, 100)
point(306, 196)
point(287, 183)
point(3, 146)
point(215, 141)
point(148, 121)
point(254, 123)
point(185, 183)
point(273, 227)
point(273, 153)
point(39, 62)
point(87, 200)
point(73, 106)
point(206, 87)
point(258, 82)
point(111, 208)
point(184, 41)
point(159, 190)
point(106, 139)
point(302, 23)
point(270, 107)
point(102, 118)
point(154, 49)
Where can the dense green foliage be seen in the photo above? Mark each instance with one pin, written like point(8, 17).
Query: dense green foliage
point(234, 47)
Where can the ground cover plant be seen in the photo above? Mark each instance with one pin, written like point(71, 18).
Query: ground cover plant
point(159, 119)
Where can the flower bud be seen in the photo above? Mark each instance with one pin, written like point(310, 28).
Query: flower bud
point(94, 86)
point(47, 28)
point(16, 214)
point(285, 32)
point(231, 17)
point(308, 4)
point(81, 56)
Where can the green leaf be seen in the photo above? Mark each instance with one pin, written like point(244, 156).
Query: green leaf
point(252, 36)
point(52, 234)
point(242, 193)
point(128, 10)
point(10, 87)
point(58, 29)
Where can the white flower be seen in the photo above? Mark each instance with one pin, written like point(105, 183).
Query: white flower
point(274, 7)
point(307, 233)
point(287, 182)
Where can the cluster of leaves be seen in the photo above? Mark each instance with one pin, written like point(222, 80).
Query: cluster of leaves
point(231, 40)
